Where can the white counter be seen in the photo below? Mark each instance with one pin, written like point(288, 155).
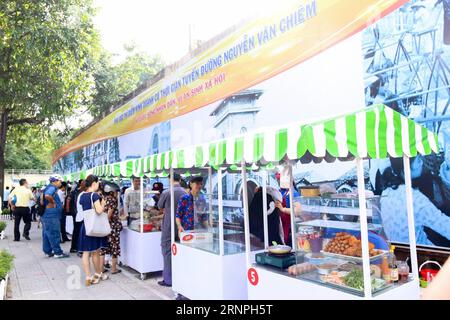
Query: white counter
point(273, 285)
point(141, 251)
point(199, 274)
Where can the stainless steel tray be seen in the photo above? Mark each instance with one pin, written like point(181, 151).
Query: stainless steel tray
point(351, 258)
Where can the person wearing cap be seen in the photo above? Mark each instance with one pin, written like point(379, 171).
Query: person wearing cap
point(164, 204)
point(21, 209)
point(51, 224)
point(192, 207)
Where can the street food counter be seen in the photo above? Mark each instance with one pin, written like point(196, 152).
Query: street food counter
point(338, 247)
point(327, 262)
point(140, 239)
point(209, 262)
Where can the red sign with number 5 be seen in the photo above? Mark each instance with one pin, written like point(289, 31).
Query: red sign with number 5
point(253, 277)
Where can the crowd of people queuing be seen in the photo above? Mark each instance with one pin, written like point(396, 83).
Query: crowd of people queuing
point(51, 205)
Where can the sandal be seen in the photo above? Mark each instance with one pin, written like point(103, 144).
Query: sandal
point(104, 276)
point(96, 278)
point(117, 271)
point(88, 281)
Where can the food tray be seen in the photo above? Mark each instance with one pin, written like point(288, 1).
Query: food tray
point(381, 286)
point(341, 286)
point(351, 258)
point(316, 260)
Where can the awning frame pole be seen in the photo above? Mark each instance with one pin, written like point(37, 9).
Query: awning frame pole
point(364, 228)
point(220, 210)
point(246, 212)
point(210, 187)
point(291, 206)
point(142, 204)
point(172, 206)
point(411, 222)
point(265, 218)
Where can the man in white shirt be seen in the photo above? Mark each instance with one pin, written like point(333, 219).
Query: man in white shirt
point(128, 199)
point(5, 197)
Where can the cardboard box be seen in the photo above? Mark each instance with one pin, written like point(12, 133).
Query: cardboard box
point(196, 237)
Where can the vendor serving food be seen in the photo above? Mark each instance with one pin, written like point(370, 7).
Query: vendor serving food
point(191, 210)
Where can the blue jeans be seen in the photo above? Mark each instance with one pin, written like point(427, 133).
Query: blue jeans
point(51, 233)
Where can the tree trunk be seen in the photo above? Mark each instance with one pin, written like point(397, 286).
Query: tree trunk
point(3, 132)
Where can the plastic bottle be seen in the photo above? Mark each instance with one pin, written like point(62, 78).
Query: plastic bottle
point(385, 270)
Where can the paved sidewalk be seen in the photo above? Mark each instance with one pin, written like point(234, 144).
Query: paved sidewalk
point(36, 277)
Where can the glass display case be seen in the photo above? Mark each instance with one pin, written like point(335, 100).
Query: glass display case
point(151, 218)
point(205, 233)
point(215, 241)
point(140, 241)
point(328, 248)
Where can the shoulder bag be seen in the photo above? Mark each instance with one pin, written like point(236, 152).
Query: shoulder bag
point(96, 225)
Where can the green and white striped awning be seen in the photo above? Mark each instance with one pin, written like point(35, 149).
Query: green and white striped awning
point(374, 132)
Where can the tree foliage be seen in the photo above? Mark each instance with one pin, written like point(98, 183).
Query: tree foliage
point(114, 81)
point(53, 67)
point(46, 53)
point(47, 50)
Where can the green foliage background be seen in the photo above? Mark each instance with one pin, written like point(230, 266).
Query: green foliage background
point(52, 66)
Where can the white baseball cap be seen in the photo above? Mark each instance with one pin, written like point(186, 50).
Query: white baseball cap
point(55, 177)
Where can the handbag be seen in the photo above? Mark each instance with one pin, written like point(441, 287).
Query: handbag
point(96, 225)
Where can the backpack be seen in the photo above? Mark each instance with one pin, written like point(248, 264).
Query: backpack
point(72, 198)
point(41, 206)
point(43, 203)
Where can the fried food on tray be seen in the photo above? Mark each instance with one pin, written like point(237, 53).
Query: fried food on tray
point(347, 244)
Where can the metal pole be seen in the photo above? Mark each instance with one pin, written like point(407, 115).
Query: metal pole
point(291, 207)
point(220, 209)
point(411, 223)
point(246, 213)
point(210, 197)
point(172, 206)
point(264, 195)
point(364, 228)
point(142, 204)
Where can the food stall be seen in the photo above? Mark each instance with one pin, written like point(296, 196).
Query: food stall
point(212, 257)
point(140, 239)
point(339, 248)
